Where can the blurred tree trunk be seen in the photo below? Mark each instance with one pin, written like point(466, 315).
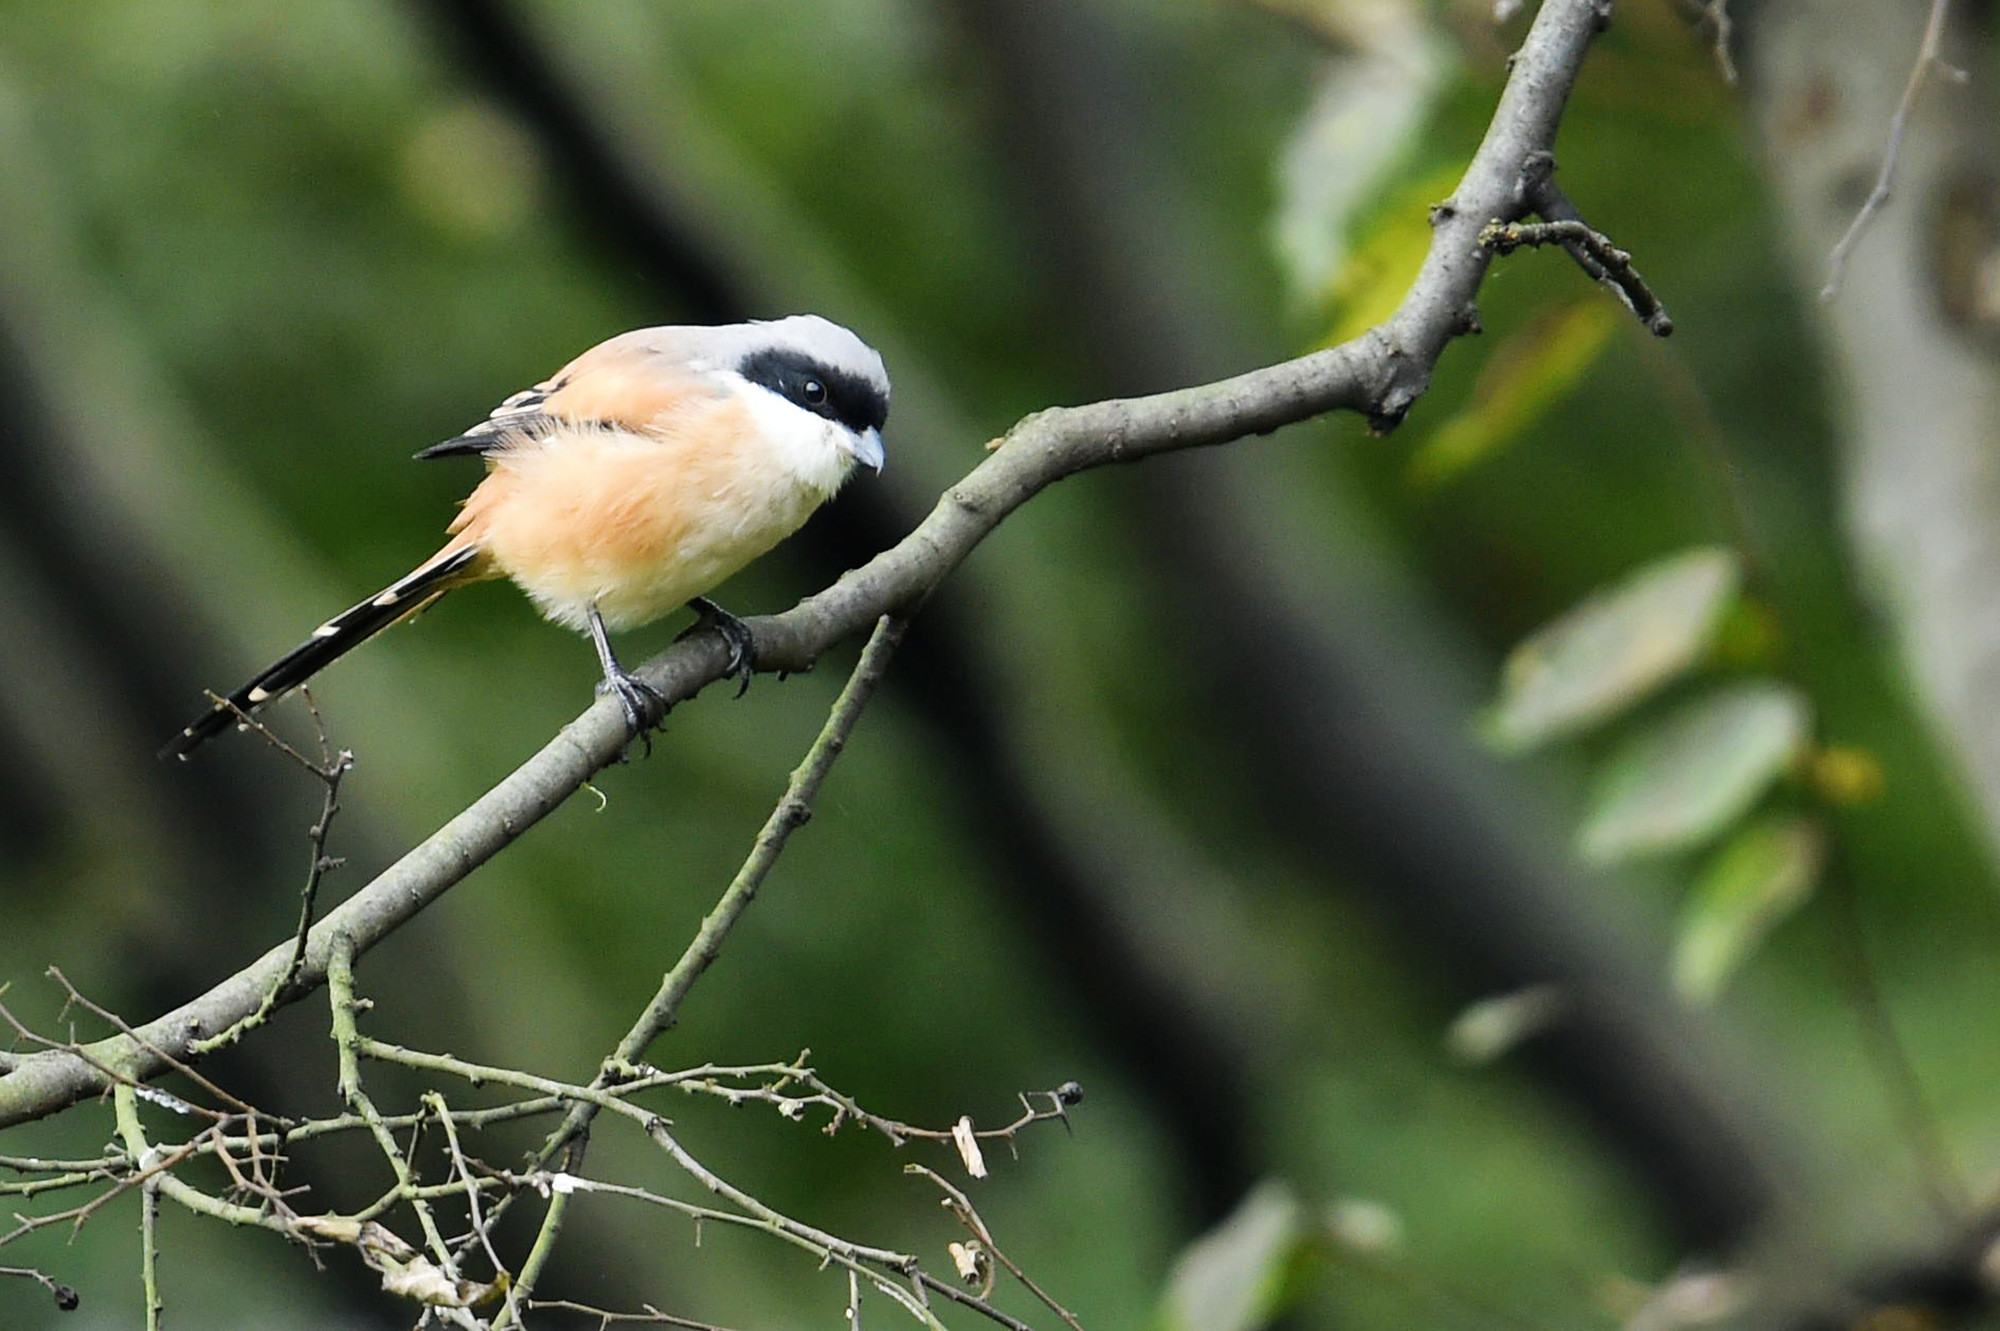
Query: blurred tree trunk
point(1912, 334)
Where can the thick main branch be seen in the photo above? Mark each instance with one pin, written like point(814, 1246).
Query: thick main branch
point(1379, 374)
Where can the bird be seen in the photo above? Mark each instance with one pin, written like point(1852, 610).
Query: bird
point(625, 486)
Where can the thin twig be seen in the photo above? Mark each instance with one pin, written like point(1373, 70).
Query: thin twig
point(66, 1298)
point(1595, 254)
point(1885, 1049)
point(347, 1039)
point(648, 1316)
point(56, 1183)
point(829, 1247)
point(1927, 58)
point(546, 1182)
point(329, 770)
point(74, 995)
point(1715, 13)
point(819, 1095)
point(968, 1215)
point(149, 1253)
point(441, 1112)
point(1592, 250)
point(792, 811)
point(530, 1273)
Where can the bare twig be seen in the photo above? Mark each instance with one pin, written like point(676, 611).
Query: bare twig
point(794, 807)
point(441, 1112)
point(66, 1298)
point(72, 995)
point(347, 1040)
point(568, 1184)
point(1884, 1046)
point(772, 1080)
point(331, 767)
point(1592, 250)
point(1715, 13)
point(530, 1273)
point(829, 1247)
point(647, 1316)
point(57, 1183)
point(961, 1206)
point(1927, 59)
point(149, 1253)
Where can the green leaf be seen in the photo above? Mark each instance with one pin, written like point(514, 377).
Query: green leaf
point(1613, 649)
point(1528, 374)
point(1683, 779)
point(1766, 872)
point(1231, 1278)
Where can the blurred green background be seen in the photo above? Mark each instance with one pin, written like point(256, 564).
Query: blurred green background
point(1175, 790)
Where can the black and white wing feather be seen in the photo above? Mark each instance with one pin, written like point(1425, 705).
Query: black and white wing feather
point(519, 415)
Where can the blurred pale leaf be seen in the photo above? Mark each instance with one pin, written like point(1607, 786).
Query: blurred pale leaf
point(1527, 375)
point(1492, 1026)
point(1365, 1225)
point(1684, 778)
point(1764, 873)
point(1694, 1297)
point(1613, 649)
point(1370, 101)
point(1230, 1278)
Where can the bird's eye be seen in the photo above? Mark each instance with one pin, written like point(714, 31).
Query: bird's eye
point(813, 392)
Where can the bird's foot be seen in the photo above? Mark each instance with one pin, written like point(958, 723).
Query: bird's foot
point(742, 642)
point(645, 706)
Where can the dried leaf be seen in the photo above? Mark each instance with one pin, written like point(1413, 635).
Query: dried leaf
point(967, 1143)
point(1763, 874)
point(970, 1260)
point(1614, 649)
point(1682, 780)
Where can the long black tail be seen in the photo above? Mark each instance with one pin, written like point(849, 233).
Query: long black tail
point(331, 640)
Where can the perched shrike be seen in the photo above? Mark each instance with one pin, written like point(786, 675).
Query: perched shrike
point(648, 470)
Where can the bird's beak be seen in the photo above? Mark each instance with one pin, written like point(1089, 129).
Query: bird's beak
point(867, 447)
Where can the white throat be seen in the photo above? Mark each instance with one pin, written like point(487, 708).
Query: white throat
point(811, 449)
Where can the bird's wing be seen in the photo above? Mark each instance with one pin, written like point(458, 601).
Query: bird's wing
point(621, 383)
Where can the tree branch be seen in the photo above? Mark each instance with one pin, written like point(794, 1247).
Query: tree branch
point(1379, 374)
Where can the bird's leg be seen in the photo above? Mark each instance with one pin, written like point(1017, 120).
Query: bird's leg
point(742, 643)
point(635, 695)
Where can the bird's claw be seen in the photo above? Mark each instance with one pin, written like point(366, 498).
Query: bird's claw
point(645, 706)
point(742, 642)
